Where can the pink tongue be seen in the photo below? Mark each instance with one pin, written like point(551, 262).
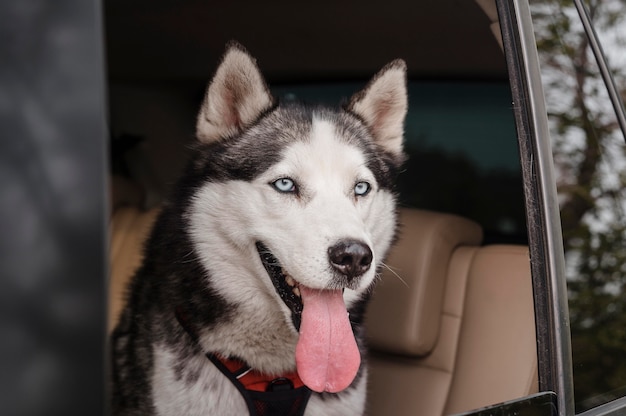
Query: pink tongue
point(327, 356)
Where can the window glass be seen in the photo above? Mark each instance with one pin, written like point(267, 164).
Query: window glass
point(462, 147)
point(590, 163)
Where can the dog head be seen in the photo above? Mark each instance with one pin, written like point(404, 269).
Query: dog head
point(297, 202)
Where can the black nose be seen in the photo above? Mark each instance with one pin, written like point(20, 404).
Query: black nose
point(350, 257)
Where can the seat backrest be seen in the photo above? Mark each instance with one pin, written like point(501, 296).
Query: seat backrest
point(451, 326)
point(130, 227)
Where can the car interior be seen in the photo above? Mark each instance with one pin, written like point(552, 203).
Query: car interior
point(451, 325)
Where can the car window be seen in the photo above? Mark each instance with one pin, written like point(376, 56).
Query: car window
point(462, 151)
point(590, 162)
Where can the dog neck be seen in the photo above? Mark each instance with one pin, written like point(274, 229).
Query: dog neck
point(264, 394)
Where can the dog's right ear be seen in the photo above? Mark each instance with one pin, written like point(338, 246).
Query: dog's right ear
point(235, 98)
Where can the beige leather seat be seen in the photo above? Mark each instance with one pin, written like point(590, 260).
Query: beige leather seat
point(454, 330)
point(129, 229)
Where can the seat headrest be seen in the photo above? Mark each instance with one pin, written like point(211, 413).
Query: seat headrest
point(405, 312)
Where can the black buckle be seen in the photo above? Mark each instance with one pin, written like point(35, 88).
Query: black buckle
point(280, 384)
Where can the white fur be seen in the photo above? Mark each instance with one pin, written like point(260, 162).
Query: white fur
point(175, 397)
point(298, 231)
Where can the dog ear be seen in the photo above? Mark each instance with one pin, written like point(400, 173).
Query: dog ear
point(382, 105)
point(235, 98)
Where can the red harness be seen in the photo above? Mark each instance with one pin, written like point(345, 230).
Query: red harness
point(254, 380)
point(265, 395)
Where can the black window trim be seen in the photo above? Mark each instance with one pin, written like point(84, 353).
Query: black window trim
point(542, 209)
point(611, 408)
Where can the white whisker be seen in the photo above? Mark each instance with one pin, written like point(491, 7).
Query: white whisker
point(186, 259)
point(395, 274)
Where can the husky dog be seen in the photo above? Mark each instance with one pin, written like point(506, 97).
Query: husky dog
point(261, 262)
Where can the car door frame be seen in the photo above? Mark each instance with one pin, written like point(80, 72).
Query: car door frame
point(554, 352)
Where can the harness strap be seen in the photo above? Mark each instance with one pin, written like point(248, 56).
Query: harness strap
point(264, 395)
point(255, 380)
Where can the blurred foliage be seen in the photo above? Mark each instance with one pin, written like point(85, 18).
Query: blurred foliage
point(590, 162)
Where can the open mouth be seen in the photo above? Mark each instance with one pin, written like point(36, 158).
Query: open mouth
point(286, 287)
point(327, 355)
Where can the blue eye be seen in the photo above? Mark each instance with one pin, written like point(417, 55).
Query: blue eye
point(285, 185)
point(362, 188)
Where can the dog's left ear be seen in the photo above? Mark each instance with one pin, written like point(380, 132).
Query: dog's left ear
point(382, 105)
point(236, 97)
